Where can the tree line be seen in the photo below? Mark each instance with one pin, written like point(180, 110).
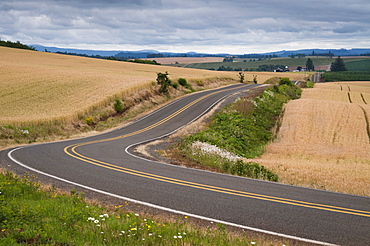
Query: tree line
point(17, 45)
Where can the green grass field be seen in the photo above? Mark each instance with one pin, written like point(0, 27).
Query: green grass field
point(31, 216)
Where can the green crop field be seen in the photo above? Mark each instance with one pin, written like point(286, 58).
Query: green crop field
point(359, 65)
point(249, 64)
point(347, 76)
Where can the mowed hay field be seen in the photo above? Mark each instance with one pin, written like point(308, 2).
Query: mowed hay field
point(324, 139)
point(39, 86)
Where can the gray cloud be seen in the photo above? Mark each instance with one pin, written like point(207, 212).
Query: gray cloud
point(235, 26)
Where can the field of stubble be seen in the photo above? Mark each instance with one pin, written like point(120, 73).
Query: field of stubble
point(324, 139)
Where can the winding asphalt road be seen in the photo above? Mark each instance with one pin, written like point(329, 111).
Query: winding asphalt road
point(104, 164)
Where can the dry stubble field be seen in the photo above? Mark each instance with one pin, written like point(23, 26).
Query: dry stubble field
point(185, 60)
point(38, 87)
point(324, 139)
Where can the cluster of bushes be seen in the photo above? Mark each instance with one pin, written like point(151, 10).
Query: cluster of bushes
point(153, 62)
point(270, 68)
point(234, 167)
point(264, 67)
point(228, 68)
point(164, 81)
point(347, 76)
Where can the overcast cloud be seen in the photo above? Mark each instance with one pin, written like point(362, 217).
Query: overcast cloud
point(213, 26)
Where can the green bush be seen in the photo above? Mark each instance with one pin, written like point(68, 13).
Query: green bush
point(175, 85)
point(163, 81)
point(253, 170)
point(182, 81)
point(118, 106)
point(285, 81)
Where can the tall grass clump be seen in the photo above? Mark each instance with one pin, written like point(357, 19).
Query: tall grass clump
point(31, 216)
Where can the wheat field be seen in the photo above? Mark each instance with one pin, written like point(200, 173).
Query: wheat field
point(42, 87)
point(324, 139)
point(185, 60)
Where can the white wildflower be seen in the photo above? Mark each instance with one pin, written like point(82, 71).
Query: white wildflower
point(208, 148)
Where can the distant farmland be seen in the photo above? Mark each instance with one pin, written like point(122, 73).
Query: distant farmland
point(185, 60)
point(290, 62)
point(42, 87)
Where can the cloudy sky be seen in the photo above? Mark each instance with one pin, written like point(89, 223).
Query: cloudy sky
point(212, 26)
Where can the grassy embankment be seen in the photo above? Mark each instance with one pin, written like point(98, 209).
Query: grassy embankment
point(239, 131)
point(30, 216)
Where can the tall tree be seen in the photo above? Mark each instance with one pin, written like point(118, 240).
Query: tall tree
point(338, 65)
point(309, 65)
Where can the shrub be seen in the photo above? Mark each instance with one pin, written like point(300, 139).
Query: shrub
point(118, 106)
point(182, 81)
point(175, 85)
point(285, 81)
point(163, 81)
point(253, 170)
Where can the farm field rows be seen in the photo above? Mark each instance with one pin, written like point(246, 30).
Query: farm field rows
point(324, 139)
point(40, 86)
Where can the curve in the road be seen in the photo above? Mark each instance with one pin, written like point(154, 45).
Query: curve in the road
point(89, 152)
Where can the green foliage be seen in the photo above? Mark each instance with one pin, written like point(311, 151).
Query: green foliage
point(241, 77)
point(290, 91)
point(153, 62)
point(338, 65)
point(175, 85)
point(255, 79)
point(163, 81)
point(347, 76)
point(182, 81)
point(16, 45)
point(309, 65)
point(285, 81)
point(269, 65)
point(360, 65)
point(253, 170)
point(246, 135)
point(118, 106)
point(238, 167)
point(310, 84)
point(29, 216)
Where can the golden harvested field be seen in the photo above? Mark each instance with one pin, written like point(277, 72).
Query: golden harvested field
point(37, 86)
point(185, 60)
point(324, 139)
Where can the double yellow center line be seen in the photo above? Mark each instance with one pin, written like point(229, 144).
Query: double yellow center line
point(71, 151)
